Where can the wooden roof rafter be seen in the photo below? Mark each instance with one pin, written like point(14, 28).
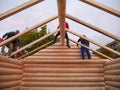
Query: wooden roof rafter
point(19, 8)
point(28, 30)
point(102, 7)
point(93, 27)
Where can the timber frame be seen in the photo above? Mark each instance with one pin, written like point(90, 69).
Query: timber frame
point(62, 15)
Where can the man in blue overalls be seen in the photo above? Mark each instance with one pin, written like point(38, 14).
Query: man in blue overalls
point(83, 49)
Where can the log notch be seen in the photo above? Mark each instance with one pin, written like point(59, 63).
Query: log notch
point(61, 16)
point(112, 75)
point(10, 74)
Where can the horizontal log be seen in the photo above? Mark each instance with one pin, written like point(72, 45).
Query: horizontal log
point(77, 53)
point(63, 88)
point(116, 61)
point(112, 72)
point(112, 77)
point(38, 61)
point(13, 88)
point(5, 78)
point(9, 84)
point(63, 74)
point(9, 60)
point(108, 87)
point(10, 65)
point(113, 83)
point(64, 65)
point(112, 66)
point(61, 58)
point(62, 84)
point(73, 70)
point(7, 71)
point(63, 79)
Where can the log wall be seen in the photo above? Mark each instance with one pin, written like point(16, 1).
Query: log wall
point(10, 74)
point(112, 75)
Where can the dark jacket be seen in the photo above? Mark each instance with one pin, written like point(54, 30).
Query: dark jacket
point(83, 41)
point(9, 35)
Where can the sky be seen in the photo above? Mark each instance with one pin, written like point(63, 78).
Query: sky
point(48, 8)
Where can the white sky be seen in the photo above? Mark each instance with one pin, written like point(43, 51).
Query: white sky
point(48, 8)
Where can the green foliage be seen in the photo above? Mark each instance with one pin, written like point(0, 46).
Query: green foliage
point(34, 35)
point(108, 53)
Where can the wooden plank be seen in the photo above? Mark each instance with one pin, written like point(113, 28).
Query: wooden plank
point(38, 61)
point(6, 78)
point(113, 83)
point(92, 50)
point(63, 74)
point(94, 42)
point(102, 7)
point(93, 27)
point(61, 70)
point(64, 65)
point(19, 8)
point(115, 78)
point(33, 51)
point(61, 15)
point(112, 66)
point(9, 84)
point(108, 87)
point(62, 84)
point(28, 30)
point(116, 61)
point(13, 88)
point(112, 72)
point(9, 60)
point(63, 88)
point(32, 43)
point(9, 65)
point(7, 71)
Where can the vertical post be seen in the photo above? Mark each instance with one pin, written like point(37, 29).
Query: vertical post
point(61, 15)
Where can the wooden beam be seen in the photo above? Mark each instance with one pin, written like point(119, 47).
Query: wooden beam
point(94, 42)
point(102, 7)
point(93, 27)
point(19, 8)
point(36, 41)
point(35, 50)
point(92, 50)
point(28, 30)
point(61, 16)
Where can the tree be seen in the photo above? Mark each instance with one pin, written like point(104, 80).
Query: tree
point(34, 35)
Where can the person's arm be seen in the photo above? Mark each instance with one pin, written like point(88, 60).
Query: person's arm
point(78, 41)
